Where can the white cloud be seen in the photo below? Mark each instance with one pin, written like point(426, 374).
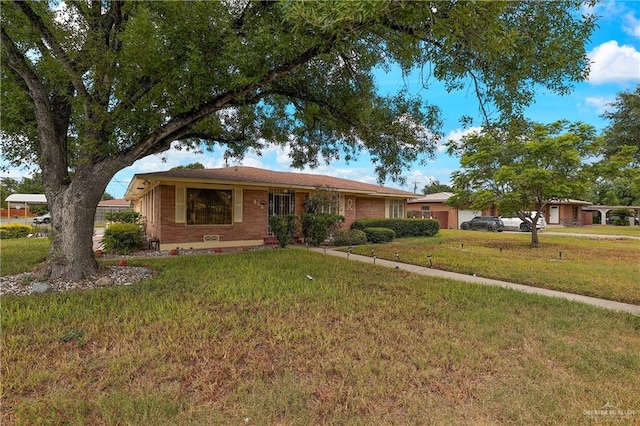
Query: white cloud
point(631, 25)
point(456, 135)
point(600, 104)
point(614, 63)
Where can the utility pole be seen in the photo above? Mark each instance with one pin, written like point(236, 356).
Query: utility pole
point(415, 187)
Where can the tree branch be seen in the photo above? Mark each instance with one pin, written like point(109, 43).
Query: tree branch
point(55, 47)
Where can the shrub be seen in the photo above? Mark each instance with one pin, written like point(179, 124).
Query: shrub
point(350, 237)
point(380, 235)
point(284, 228)
point(126, 216)
point(122, 238)
point(317, 227)
point(403, 228)
point(15, 230)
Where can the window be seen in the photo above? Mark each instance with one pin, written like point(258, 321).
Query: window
point(395, 209)
point(209, 206)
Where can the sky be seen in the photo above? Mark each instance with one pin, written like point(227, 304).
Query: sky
point(614, 51)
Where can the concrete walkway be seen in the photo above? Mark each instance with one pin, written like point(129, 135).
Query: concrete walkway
point(606, 304)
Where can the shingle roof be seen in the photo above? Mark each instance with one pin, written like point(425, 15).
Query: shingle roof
point(262, 177)
point(114, 203)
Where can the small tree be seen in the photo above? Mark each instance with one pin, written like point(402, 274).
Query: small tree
point(521, 171)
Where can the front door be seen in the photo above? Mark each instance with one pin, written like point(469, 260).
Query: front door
point(554, 214)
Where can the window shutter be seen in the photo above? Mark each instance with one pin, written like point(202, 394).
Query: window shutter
point(181, 195)
point(237, 203)
point(386, 208)
point(341, 203)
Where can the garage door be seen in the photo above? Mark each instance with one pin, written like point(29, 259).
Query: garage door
point(465, 215)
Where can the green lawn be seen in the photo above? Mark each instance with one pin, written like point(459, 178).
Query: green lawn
point(631, 231)
point(249, 339)
point(603, 268)
point(22, 254)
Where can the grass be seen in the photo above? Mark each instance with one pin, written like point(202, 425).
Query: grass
point(22, 254)
point(630, 231)
point(603, 268)
point(248, 338)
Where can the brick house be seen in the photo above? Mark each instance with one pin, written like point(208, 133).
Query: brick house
point(231, 206)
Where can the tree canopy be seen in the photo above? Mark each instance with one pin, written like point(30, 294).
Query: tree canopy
point(521, 173)
point(90, 87)
point(616, 176)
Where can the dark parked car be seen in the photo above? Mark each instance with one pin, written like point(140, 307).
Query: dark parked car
point(45, 218)
point(490, 223)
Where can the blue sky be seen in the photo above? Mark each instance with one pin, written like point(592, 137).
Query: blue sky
point(614, 50)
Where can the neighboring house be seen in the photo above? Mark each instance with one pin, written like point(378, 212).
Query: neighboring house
point(556, 212)
point(231, 206)
point(111, 206)
point(433, 206)
point(567, 212)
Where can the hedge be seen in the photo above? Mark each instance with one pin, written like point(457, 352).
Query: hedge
point(15, 230)
point(350, 237)
point(403, 228)
point(379, 235)
point(122, 238)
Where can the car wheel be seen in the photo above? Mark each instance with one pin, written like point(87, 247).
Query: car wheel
point(47, 220)
point(464, 226)
point(525, 228)
point(490, 228)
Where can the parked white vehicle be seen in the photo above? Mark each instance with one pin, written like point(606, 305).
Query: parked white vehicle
point(517, 224)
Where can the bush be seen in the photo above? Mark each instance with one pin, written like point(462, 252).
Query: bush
point(350, 237)
point(284, 228)
point(317, 227)
point(122, 238)
point(15, 230)
point(403, 228)
point(380, 235)
point(126, 216)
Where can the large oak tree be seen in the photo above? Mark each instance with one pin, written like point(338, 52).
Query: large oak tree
point(89, 87)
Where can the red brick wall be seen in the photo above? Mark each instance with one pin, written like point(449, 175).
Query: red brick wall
point(350, 211)
point(252, 227)
point(369, 208)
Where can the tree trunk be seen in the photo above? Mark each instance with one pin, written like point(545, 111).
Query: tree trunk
point(73, 210)
point(534, 234)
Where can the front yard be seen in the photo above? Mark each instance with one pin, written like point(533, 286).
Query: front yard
point(249, 338)
point(603, 268)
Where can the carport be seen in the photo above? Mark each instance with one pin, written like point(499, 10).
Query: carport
point(606, 209)
point(25, 199)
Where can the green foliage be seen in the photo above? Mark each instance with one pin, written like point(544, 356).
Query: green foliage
point(379, 235)
point(623, 219)
point(403, 228)
point(350, 237)
point(624, 130)
point(126, 216)
point(285, 228)
point(196, 165)
point(522, 168)
point(15, 230)
point(616, 177)
point(122, 238)
point(435, 186)
point(317, 228)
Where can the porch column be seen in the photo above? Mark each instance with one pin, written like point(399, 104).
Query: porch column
point(603, 216)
